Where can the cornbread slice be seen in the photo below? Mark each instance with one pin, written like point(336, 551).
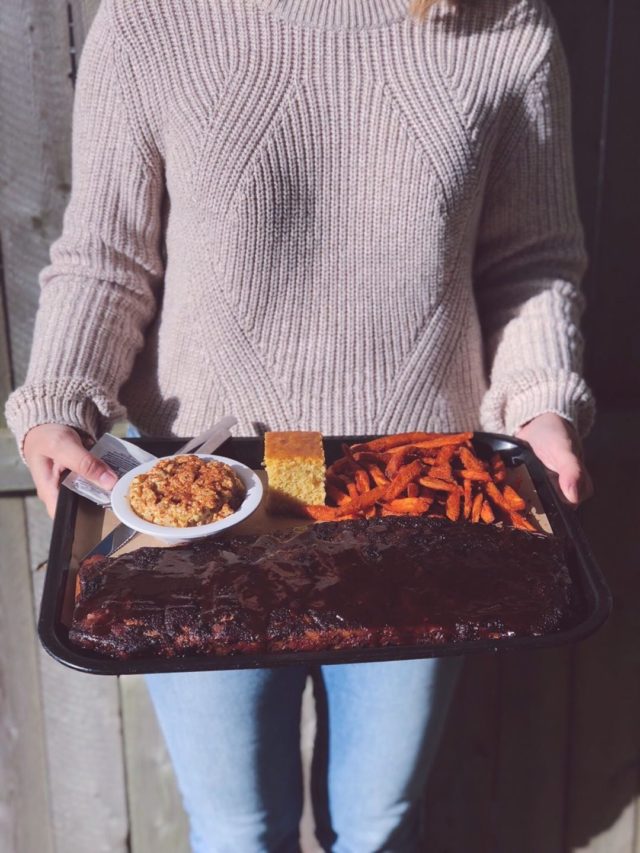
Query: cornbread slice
point(296, 470)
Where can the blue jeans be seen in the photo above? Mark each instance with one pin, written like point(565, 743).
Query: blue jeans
point(234, 738)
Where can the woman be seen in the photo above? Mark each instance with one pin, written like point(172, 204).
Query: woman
point(316, 214)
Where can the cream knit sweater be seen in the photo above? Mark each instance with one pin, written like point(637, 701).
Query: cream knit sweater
point(314, 214)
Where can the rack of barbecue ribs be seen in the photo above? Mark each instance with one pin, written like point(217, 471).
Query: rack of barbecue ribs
point(338, 585)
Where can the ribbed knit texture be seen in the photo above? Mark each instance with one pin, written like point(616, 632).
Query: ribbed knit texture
point(314, 214)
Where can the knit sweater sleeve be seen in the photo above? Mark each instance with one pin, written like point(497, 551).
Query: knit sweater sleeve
point(530, 260)
point(98, 293)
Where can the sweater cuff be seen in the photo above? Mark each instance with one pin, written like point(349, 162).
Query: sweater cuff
point(514, 401)
point(68, 403)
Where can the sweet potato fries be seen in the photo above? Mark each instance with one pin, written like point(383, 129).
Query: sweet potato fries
point(420, 474)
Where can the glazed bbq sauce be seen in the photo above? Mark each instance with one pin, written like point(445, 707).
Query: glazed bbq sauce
point(429, 580)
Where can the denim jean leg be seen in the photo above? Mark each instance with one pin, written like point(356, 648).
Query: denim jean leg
point(234, 741)
point(379, 726)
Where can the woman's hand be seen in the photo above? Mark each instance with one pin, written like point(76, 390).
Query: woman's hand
point(556, 443)
point(51, 449)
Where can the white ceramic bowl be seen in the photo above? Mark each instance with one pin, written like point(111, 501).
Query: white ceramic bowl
point(122, 509)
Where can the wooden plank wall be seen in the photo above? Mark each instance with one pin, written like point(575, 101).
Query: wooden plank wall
point(541, 752)
point(71, 720)
point(24, 801)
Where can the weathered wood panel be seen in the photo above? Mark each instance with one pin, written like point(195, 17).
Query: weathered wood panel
point(5, 366)
point(14, 475)
point(530, 794)
point(614, 350)
point(39, 527)
point(586, 40)
point(24, 804)
point(35, 103)
point(158, 821)
point(81, 14)
point(25, 824)
point(82, 734)
point(459, 814)
point(81, 715)
point(604, 772)
point(85, 759)
point(308, 725)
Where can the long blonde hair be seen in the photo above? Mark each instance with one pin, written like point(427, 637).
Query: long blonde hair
point(419, 8)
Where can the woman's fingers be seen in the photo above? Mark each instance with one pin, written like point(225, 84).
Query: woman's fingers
point(72, 455)
point(556, 444)
point(50, 449)
point(570, 477)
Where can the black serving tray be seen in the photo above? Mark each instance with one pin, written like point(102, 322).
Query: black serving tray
point(590, 588)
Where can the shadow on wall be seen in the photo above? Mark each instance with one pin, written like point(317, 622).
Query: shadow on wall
point(541, 752)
